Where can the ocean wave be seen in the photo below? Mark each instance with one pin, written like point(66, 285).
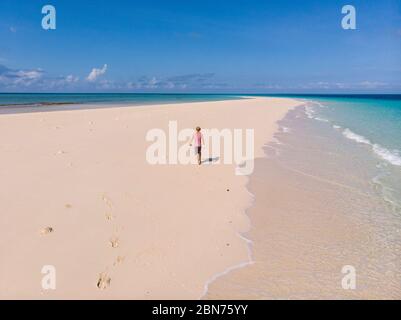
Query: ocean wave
point(356, 137)
point(311, 112)
point(391, 156)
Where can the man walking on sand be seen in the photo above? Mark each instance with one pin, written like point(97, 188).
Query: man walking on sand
point(198, 143)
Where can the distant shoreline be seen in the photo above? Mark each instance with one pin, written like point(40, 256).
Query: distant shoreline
point(27, 103)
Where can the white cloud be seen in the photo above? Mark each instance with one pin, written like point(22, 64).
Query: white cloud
point(96, 73)
point(29, 74)
point(196, 80)
point(59, 82)
point(71, 79)
point(372, 84)
point(365, 85)
point(23, 78)
point(34, 79)
point(268, 86)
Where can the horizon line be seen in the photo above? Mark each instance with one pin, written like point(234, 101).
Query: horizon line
point(211, 93)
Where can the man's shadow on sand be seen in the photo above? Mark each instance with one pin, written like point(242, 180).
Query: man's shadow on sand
point(210, 160)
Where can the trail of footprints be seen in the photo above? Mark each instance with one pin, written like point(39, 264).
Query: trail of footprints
point(104, 279)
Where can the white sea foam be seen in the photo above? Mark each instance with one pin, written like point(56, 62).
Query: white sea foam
point(391, 156)
point(244, 264)
point(356, 137)
point(320, 105)
point(321, 119)
point(311, 112)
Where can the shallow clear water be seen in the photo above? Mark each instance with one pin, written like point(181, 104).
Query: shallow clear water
point(374, 128)
point(332, 143)
point(325, 199)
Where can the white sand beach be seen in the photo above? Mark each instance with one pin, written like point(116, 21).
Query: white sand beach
point(114, 221)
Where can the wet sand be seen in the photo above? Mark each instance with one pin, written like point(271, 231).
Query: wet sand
point(314, 214)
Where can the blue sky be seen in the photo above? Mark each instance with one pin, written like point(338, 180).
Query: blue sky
point(200, 46)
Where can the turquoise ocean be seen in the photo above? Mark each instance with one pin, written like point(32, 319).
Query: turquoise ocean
point(332, 178)
point(342, 156)
point(373, 127)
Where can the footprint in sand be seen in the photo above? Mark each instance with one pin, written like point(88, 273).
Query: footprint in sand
point(114, 242)
point(109, 216)
point(119, 260)
point(107, 201)
point(104, 281)
point(46, 231)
